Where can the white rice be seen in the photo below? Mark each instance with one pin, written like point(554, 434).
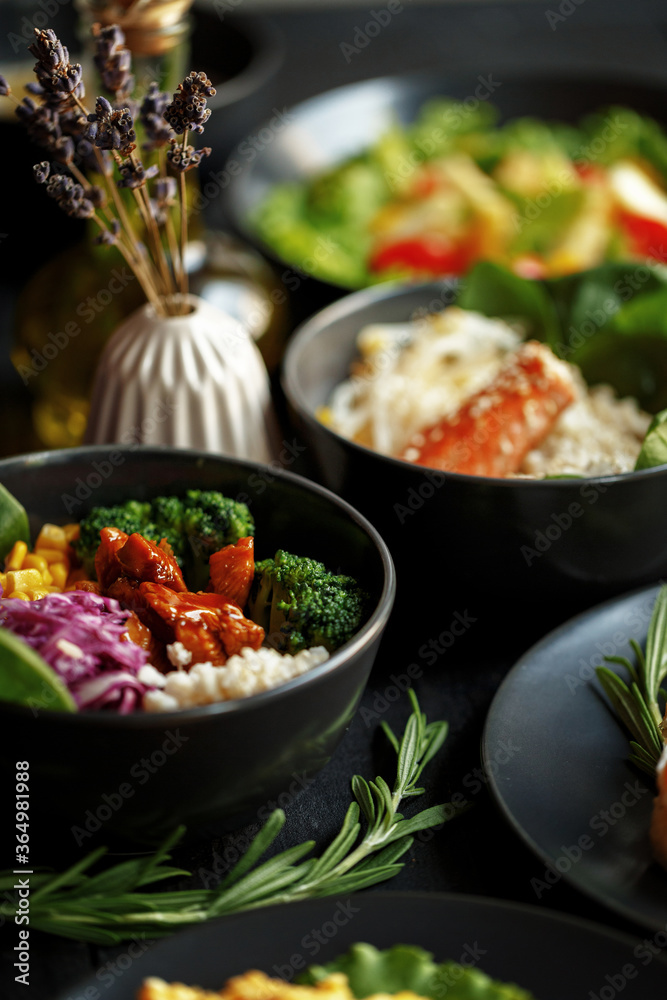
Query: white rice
point(411, 375)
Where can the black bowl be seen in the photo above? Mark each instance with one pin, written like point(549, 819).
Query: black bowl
point(242, 55)
point(329, 128)
point(95, 777)
point(516, 547)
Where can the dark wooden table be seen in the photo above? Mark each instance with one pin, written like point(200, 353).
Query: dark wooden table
point(478, 853)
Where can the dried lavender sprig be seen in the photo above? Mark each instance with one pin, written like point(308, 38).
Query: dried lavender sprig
point(158, 131)
point(75, 124)
point(67, 193)
point(113, 60)
point(164, 198)
point(43, 126)
point(111, 128)
point(60, 79)
point(41, 122)
point(108, 237)
point(182, 158)
point(5, 89)
point(187, 111)
point(133, 174)
point(108, 135)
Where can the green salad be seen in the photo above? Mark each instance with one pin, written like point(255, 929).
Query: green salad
point(452, 188)
point(409, 968)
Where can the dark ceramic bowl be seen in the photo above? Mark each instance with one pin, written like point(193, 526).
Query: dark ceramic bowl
point(522, 548)
point(327, 129)
point(96, 777)
point(242, 55)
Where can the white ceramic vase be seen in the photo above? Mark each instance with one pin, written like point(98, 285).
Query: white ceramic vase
point(193, 381)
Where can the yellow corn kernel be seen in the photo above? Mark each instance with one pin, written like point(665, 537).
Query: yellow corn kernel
point(19, 593)
point(47, 577)
point(51, 537)
point(53, 590)
point(72, 532)
point(15, 557)
point(34, 561)
point(58, 571)
point(23, 579)
point(35, 593)
point(51, 555)
point(3, 581)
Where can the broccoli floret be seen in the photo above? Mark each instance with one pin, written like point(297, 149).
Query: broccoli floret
point(133, 515)
point(167, 517)
point(211, 520)
point(300, 604)
point(195, 527)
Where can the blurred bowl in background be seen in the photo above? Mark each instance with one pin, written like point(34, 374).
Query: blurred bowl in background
point(506, 546)
point(225, 761)
point(326, 130)
point(242, 54)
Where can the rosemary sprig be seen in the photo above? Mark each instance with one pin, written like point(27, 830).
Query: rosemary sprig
point(638, 703)
point(109, 907)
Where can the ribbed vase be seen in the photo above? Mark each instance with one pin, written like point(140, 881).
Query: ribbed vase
point(193, 381)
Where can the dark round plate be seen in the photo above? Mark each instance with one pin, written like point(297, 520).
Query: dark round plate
point(565, 783)
point(554, 956)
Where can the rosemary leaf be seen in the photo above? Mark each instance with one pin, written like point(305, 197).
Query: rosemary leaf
point(639, 705)
point(362, 794)
point(342, 844)
point(257, 848)
point(106, 908)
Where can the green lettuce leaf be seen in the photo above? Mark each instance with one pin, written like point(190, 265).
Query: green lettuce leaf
point(495, 291)
point(654, 448)
point(611, 321)
point(407, 967)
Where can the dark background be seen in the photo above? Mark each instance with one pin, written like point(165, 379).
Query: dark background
point(477, 853)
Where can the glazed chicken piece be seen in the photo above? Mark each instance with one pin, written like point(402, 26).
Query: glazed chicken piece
point(232, 570)
point(210, 626)
point(142, 560)
point(493, 431)
point(133, 556)
point(146, 579)
point(92, 586)
point(107, 567)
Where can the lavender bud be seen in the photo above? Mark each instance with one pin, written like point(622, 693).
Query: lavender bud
point(5, 89)
point(108, 238)
point(111, 129)
point(158, 132)
point(113, 60)
point(59, 78)
point(165, 190)
point(133, 175)
point(63, 149)
point(41, 171)
point(182, 160)
point(188, 111)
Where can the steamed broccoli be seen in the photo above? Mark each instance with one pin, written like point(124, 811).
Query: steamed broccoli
point(300, 604)
point(211, 520)
point(195, 527)
point(133, 515)
point(167, 517)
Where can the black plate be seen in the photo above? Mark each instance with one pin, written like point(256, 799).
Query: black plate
point(565, 783)
point(332, 126)
point(555, 957)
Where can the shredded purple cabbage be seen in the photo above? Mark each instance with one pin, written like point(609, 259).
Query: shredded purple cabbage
point(79, 634)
